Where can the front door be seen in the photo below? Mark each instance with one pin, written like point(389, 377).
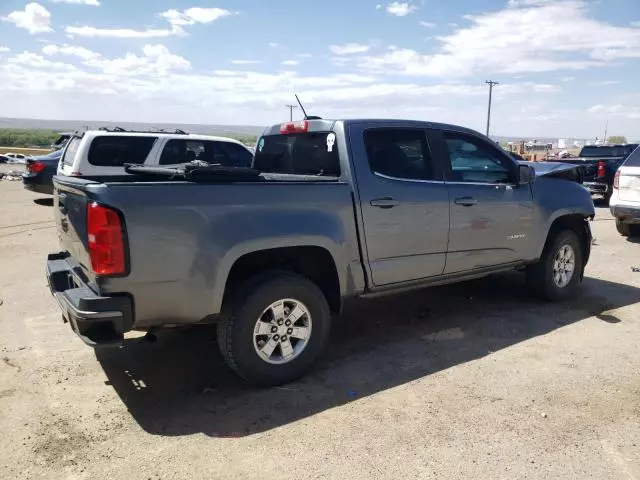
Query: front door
point(491, 215)
point(404, 204)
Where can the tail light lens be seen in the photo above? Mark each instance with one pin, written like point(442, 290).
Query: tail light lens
point(35, 167)
point(616, 180)
point(106, 240)
point(602, 172)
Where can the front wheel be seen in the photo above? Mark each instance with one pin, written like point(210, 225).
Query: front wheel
point(558, 273)
point(274, 329)
point(623, 228)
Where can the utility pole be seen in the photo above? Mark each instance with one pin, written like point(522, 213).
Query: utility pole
point(291, 107)
point(606, 127)
point(491, 84)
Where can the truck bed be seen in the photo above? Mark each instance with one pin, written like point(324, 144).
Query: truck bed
point(182, 237)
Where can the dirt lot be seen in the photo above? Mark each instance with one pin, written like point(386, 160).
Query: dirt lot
point(471, 381)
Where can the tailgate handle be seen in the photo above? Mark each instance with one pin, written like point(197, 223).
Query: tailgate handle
point(62, 198)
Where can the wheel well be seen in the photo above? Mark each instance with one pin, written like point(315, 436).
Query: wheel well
point(577, 224)
point(315, 263)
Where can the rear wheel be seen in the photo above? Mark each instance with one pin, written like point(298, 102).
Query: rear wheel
point(558, 273)
point(274, 329)
point(623, 228)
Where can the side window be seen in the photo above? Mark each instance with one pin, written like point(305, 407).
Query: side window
point(70, 151)
point(399, 153)
point(472, 160)
point(183, 151)
point(115, 151)
point(238, 156)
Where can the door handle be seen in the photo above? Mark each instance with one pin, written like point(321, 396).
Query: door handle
point(386, 202)
point(466, 201)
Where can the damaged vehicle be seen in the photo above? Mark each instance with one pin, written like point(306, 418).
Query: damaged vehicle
point(330, 211)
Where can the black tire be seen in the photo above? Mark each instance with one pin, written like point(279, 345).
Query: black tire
point(634, 231)
point(239, 317)
point(540, 275)
point(623, 228)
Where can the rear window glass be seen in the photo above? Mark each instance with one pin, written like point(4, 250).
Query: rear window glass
point(607, 151)
point(634, 159)
point(311, 153)
point(71, 150)
point(114, 151)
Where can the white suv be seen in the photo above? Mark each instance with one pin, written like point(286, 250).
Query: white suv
point(625, 201)
point(105, 152)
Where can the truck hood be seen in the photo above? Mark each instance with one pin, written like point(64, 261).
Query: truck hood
point(550, 168)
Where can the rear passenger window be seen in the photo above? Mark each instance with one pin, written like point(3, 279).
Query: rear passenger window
point(115, 151)
point(473, 160)
point(70, 151)
point(216, 153)
point(634, 159)
point(399, 153)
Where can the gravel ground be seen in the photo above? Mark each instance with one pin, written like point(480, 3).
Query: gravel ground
point(470, 381)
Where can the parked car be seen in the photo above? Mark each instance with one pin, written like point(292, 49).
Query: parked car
point(625, 201)
point(5, 159)
point(105, 152)
point(40, 172)
point(599, 165)
point(15, 157)
point(331, 210)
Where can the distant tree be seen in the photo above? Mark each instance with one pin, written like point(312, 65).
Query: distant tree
point(617, 139)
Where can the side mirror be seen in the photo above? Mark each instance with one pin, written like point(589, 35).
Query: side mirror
point(526, 175)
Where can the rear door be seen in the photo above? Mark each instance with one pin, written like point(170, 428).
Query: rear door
point(629, 181)
point(404, 203)
point(491, 216)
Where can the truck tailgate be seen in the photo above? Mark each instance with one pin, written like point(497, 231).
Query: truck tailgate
point(70, 212)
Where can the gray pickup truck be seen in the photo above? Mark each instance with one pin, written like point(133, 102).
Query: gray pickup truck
point(331, 210)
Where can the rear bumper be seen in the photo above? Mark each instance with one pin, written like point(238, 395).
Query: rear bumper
point(625, 214)
point(596, 188)
point(98, 321)
point(38, 184)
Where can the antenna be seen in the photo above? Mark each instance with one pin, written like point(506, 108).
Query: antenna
point(301, 107)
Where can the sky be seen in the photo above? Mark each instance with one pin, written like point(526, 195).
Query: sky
point(565, 67)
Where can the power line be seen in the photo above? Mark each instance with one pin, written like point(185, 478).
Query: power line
point(291, 107)
point(491, 84)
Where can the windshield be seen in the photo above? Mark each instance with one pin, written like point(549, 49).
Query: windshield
point(311, 153)
point(607, 151)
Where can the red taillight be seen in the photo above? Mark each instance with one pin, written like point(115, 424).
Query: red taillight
point(294, 127)
point(616, 180)
point(35, 167)
point(602, 172)
point(105, 239)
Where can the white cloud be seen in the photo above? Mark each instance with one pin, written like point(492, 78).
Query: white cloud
point(626, 111)
point(35, 18)
point(290, 62)
point(304, 55)
point(69, 50)
point(567, 79)
point(177, 19)
point(274, 44)
point(428, 24)
point(400, 9)
point(156, 60)
point(349, 48)
point(604, 83)
point(635, 24)
point(569, 41)
point(194, 15)
point(4, 49)
point(246, 62)
point(94, 3)
point(123, 32)
point(29, 59)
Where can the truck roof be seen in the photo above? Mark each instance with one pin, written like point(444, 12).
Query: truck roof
point(319, 125)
